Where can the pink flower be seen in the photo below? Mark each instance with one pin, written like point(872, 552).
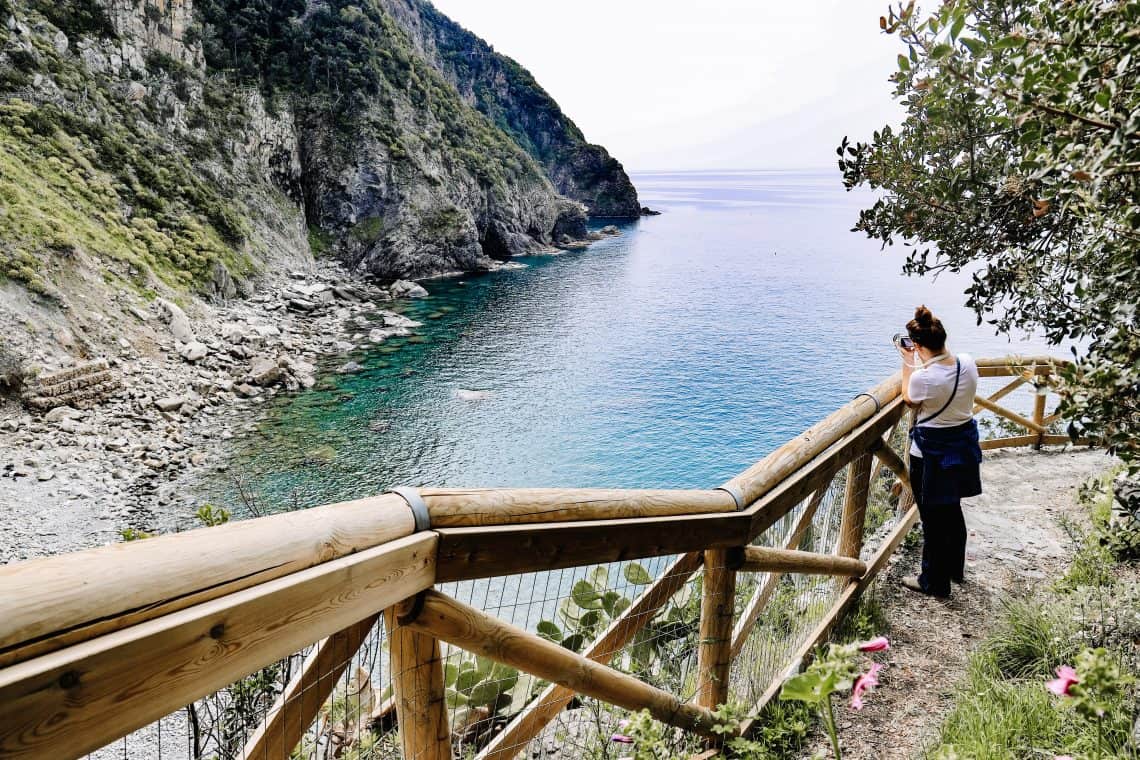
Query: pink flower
point(623, 724)
point(1063, 757)
point(1066, 677)
point(865, 683)
point(621, 739)
point(877, 644)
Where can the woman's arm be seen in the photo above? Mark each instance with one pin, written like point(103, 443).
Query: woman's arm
point(907, 371)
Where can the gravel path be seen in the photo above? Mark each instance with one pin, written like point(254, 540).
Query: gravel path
point(1015, 542)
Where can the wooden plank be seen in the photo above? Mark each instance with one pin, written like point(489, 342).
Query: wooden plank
point(1005, 443)
point(714, 651)
point(417, 682)
point(820, 470)
point(52, 602)
point(1039, 413)
point(781, 463)
point(297, 706)
point(823, 629)
point(855, 506)
point(761, 559)
point(468, 507)
point(544, 708)
point(475, 631)
point(764, 592)
point(78, 699)
point(886, 445)
point(1005, 391)
point(466, 553)
point(1000, 410)
point(887, 456)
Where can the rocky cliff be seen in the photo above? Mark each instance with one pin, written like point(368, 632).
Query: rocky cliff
point(508, 95)
point(162, 147)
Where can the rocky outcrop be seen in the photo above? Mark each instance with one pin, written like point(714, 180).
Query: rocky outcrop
point(509, 96)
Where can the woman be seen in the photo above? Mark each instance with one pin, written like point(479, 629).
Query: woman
point(944, 453)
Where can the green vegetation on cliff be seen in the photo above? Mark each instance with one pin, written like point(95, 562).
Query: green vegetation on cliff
point(86, 173)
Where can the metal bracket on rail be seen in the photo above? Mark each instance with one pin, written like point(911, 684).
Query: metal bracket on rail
point(417, 505)
point(735, 493)
point(878, 406)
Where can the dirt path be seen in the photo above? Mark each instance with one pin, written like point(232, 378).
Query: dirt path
point(1015, 542)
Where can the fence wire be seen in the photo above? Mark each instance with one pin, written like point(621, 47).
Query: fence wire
point(357, 719)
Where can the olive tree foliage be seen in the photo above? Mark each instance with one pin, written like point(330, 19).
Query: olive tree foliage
point(1018, 161)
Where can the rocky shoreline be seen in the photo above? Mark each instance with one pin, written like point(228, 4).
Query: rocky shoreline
point(145, 422)
point(73, 478)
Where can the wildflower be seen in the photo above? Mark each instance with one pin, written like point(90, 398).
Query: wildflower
point(877, 644)
point(1066, 677)
point(623, 724)
point(621, 739)
point(865, 683)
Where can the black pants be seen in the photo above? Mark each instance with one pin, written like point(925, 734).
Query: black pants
point(943, 538)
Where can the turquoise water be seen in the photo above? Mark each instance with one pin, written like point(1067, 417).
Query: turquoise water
point(674, 355)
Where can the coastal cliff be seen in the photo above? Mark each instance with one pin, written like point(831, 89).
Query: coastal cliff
point(509, 96)
point(164, 147)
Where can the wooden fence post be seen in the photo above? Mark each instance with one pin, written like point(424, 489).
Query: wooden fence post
point(417, 680)
point(855, 506)
point(1039, 411)
point(714, 656)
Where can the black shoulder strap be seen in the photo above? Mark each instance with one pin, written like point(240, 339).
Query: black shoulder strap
point(953, 393)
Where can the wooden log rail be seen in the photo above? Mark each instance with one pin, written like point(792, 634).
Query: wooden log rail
point(98, 643)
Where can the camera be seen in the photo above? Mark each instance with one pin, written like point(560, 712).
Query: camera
point(903, 341)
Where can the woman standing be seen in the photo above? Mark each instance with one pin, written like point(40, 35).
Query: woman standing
point(944, 453)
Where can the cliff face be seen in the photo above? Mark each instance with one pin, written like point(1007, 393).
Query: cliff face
point(160, 146)
point(508, 95)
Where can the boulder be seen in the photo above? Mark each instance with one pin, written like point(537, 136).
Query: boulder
point(177, 320)
point(264, 371)
point(610, 230)
point(193, 351)
point(396, 320)
point(170, 403)
point(61, 413)
point(407, 289)
point(349, 368)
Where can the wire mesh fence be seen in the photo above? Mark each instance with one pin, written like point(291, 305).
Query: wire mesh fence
point(641, 617)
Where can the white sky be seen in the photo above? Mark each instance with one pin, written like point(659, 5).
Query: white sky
point(666, 84)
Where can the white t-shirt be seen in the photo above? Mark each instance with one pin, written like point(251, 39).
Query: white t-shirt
point(931, 386)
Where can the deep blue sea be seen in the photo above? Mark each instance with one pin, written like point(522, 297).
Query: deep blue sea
point(674, 355)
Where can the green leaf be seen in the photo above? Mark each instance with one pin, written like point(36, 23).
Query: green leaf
point(904, 64)
point(599, 576)
point(485, 693)
point(804, 687)
point(941, 50)
point(550, 631)
point(956, 27)
point(637, 575)
point(977, 47)
point(450, 674)
point(586, 596)
point(454, 699)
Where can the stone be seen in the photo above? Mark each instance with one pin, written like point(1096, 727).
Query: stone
point(610, 230)
point(61, 413)
point(396, 320)
point(45, 475)
point(177, 320)
point(170, 403)
point(407, 289)
point(245, 391)
point(198, 458)
point(117, 444)
point(349, 368)
point(136, 92)
point(267, 331)
point(299, 304)
point(193, 351)
point(264, 371)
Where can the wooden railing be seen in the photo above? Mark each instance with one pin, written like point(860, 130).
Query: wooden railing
point(96, 644)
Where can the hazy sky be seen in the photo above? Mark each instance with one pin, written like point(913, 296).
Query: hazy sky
point(718, 84)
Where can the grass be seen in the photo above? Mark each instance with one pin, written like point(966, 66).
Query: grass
point(1003, 709)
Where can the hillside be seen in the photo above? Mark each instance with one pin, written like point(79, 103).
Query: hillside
point(184, 150)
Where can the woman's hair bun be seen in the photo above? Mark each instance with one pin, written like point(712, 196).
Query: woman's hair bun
point(924, 317)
